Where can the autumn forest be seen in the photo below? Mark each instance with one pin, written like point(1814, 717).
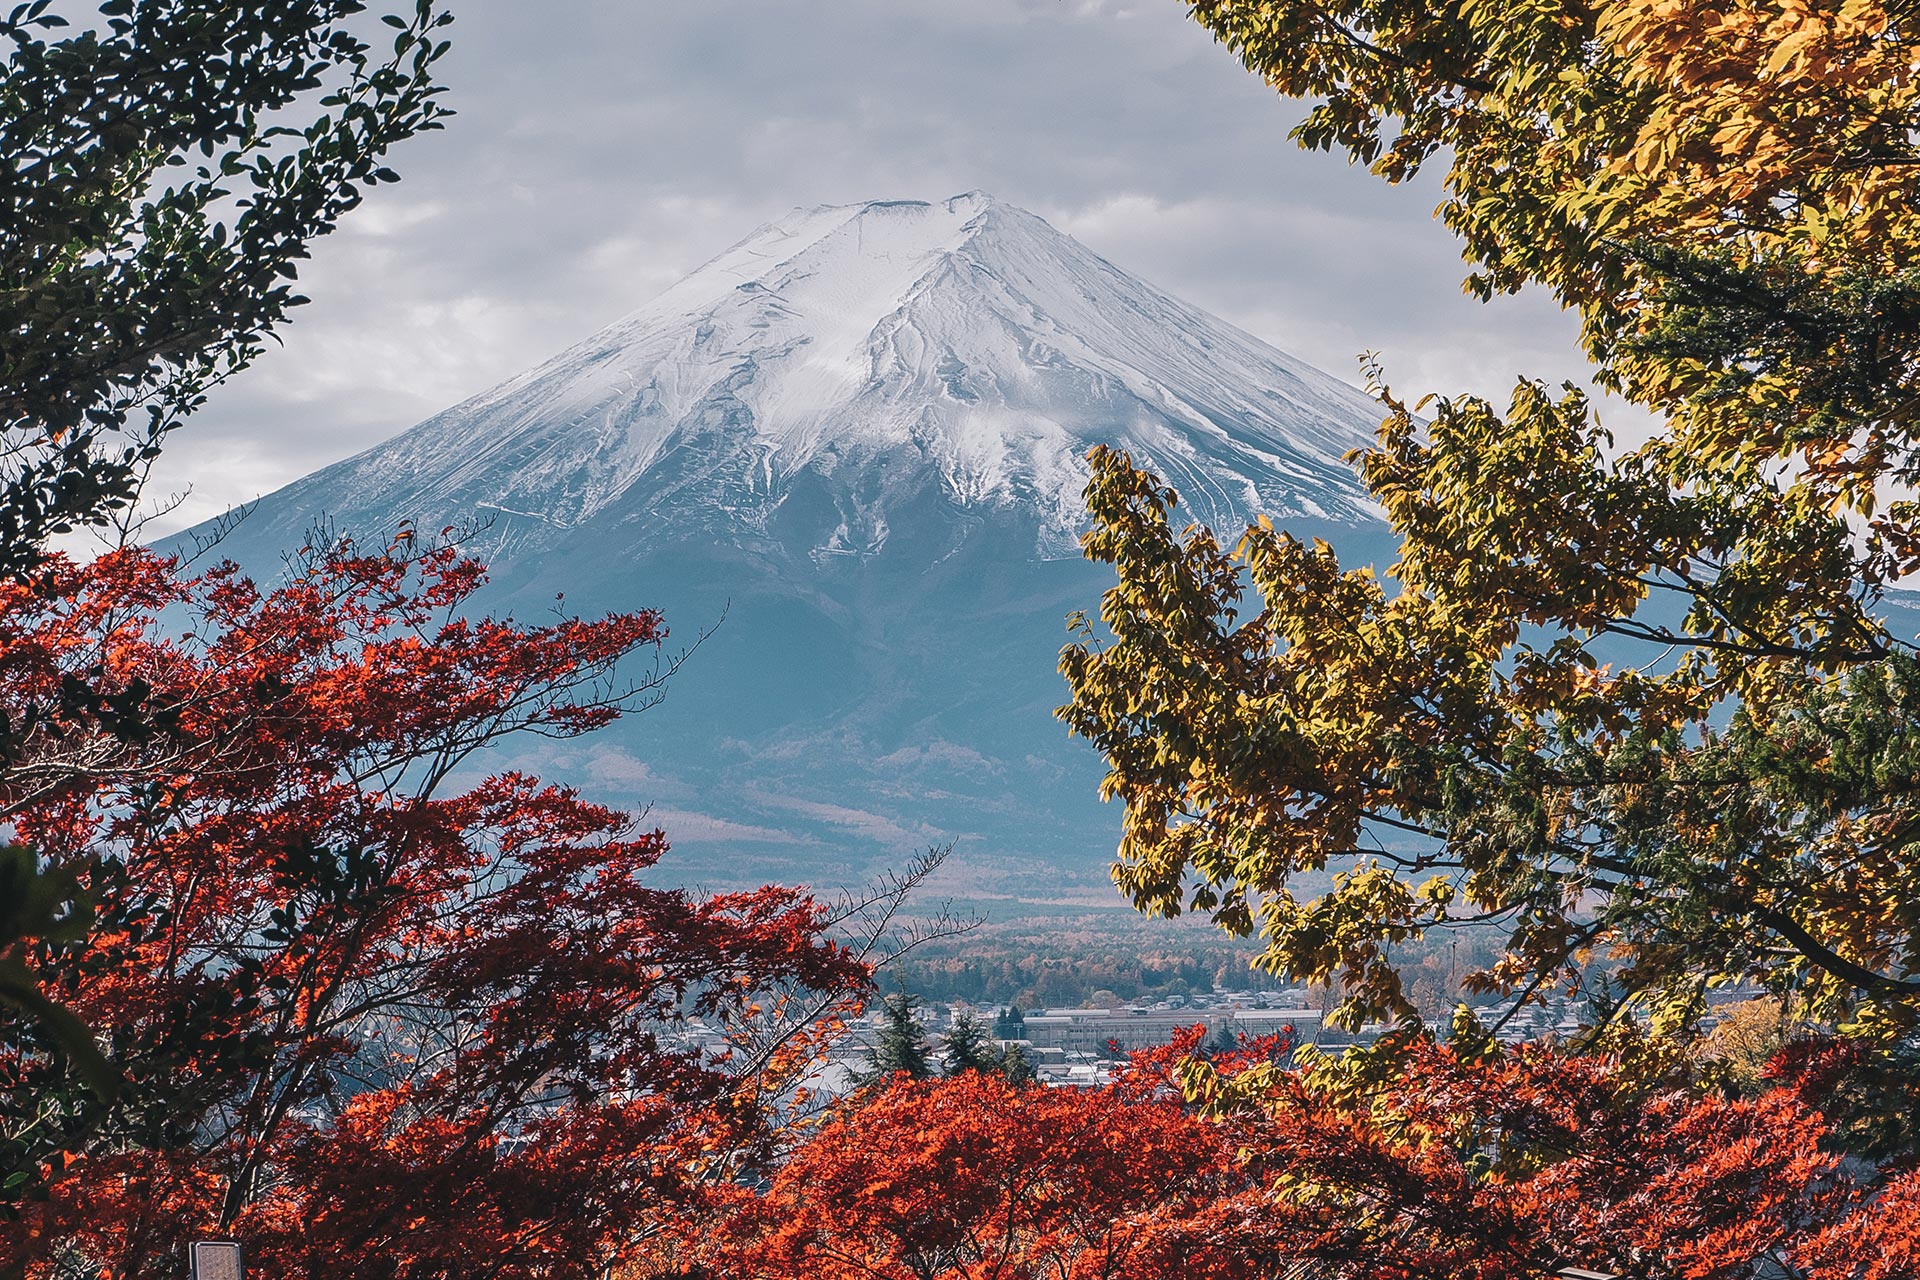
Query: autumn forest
point(287, 961)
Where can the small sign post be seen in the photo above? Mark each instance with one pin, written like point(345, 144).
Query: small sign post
point(215, 1260)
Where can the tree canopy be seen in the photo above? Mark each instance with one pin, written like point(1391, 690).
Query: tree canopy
point(900, 1045)
point(372, 1001)
point(1641, 707)
point(1496, 1166)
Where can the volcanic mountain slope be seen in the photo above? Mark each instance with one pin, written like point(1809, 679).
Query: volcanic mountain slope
point(859, 433)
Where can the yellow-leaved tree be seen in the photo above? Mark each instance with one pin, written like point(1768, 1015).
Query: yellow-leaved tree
point(1632, 704)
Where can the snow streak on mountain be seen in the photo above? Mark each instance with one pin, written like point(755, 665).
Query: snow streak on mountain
point(847, 359)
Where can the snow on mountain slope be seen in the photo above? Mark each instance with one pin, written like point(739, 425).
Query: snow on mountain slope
point(867, 354)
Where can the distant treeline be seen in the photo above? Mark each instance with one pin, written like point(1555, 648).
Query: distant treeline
point(1040, 964)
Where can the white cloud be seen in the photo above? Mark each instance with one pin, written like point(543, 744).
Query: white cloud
point(685, 827)
point(876, 827)
point(944, 755)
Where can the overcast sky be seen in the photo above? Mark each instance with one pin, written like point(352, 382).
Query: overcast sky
point(606, 147)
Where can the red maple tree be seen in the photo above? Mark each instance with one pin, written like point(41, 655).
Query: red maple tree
point(380, 1013)
point(971, 1176)
point(376, 1012)
point(1519, 1163)
point(1505, 1166)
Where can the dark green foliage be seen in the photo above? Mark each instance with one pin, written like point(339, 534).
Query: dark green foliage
point(1016, 1066)
point(1783, 847)
point(901, 1045)
point(1010, 1024)
point(969, 1047)
point(167, 166)
point(1738, 323)
point(49, 906)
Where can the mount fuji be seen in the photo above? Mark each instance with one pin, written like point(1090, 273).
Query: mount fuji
point(857, 436)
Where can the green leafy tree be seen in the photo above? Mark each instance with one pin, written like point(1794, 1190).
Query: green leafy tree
point(1010, 1024)
point(1642, 706)
point(47, 906)
point(1016, 1066)
point(970, 1047)
point(168, 166)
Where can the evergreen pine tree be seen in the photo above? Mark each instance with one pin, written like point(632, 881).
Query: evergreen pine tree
point(1016, 1066)
point(970, 1048)
point(1010, 1024)
point(1223, 1039)
point(901, 1044)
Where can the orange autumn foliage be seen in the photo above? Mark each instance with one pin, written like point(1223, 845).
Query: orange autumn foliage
point(1504, 1167)
point(973, 1177)
point(384, 1016)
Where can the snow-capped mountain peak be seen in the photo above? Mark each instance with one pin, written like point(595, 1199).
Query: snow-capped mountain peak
point(858, 436)
point(854, 359)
